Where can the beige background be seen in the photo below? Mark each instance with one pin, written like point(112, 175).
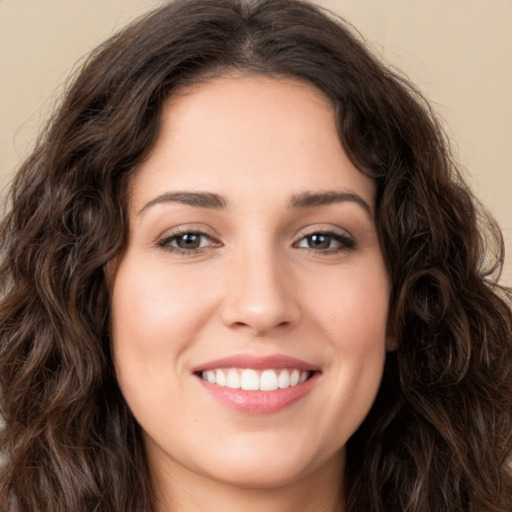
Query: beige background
point(457, 51)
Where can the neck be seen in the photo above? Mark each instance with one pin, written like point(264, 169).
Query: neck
point(186, 491)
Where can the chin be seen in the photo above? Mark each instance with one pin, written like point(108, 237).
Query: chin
point(270, 474)
point(268, 468)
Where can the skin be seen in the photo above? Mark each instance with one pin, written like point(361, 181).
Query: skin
point(255, 283)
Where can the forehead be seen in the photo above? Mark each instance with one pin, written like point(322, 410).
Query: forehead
point(245, 136)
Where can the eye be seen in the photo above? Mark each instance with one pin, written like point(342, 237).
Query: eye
point(326, 242)
point(186, 242)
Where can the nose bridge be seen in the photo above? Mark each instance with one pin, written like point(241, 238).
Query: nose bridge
point(258, 290)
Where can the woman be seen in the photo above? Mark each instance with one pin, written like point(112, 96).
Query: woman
point(241, 272)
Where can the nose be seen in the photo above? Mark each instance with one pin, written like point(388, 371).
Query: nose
point(259, 295)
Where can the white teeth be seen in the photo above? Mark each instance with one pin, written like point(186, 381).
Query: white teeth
point(233, 379)
point(284, 379)
point(294, 377)
point(250, 380)
point(268, 381)
point(220, 378)
point(253, 380)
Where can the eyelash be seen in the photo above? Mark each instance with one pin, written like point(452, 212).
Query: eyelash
point(165, 243)
point(345, 242)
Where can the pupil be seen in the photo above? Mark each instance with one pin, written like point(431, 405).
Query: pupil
point(319, 241)
point(187, 241)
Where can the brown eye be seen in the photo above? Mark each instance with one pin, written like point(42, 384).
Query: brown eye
point(186, 242)
point(318, 241)
point(328, 242)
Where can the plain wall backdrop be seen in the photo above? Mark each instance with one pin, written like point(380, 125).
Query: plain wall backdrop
point(458, 52)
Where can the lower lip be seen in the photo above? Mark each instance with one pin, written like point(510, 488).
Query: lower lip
point(260, 402)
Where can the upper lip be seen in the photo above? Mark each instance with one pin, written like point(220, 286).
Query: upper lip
point(257, 362)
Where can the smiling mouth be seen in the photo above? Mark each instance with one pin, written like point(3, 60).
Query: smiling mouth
point(249, 379)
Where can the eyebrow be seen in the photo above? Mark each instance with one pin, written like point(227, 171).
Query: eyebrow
point(313, 199)
point(300, 201)
point(199, 199)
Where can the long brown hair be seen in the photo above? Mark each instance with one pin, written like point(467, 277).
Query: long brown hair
point(439, 436)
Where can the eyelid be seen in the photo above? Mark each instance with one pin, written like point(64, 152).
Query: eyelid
point(164, 241)
point(346, 240)
point(325, 229)
point(183, 228)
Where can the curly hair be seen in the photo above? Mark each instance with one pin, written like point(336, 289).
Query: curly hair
point(439, 436)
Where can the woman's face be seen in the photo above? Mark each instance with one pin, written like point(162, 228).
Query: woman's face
point(252, 264)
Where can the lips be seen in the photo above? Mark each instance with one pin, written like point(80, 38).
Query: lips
point(258, 363)
point(258, 385)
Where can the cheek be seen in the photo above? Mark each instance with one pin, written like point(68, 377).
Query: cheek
point(352, 304)
point(153, 306)
point(353, 315)
point(148, 324)
point(157, 315)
